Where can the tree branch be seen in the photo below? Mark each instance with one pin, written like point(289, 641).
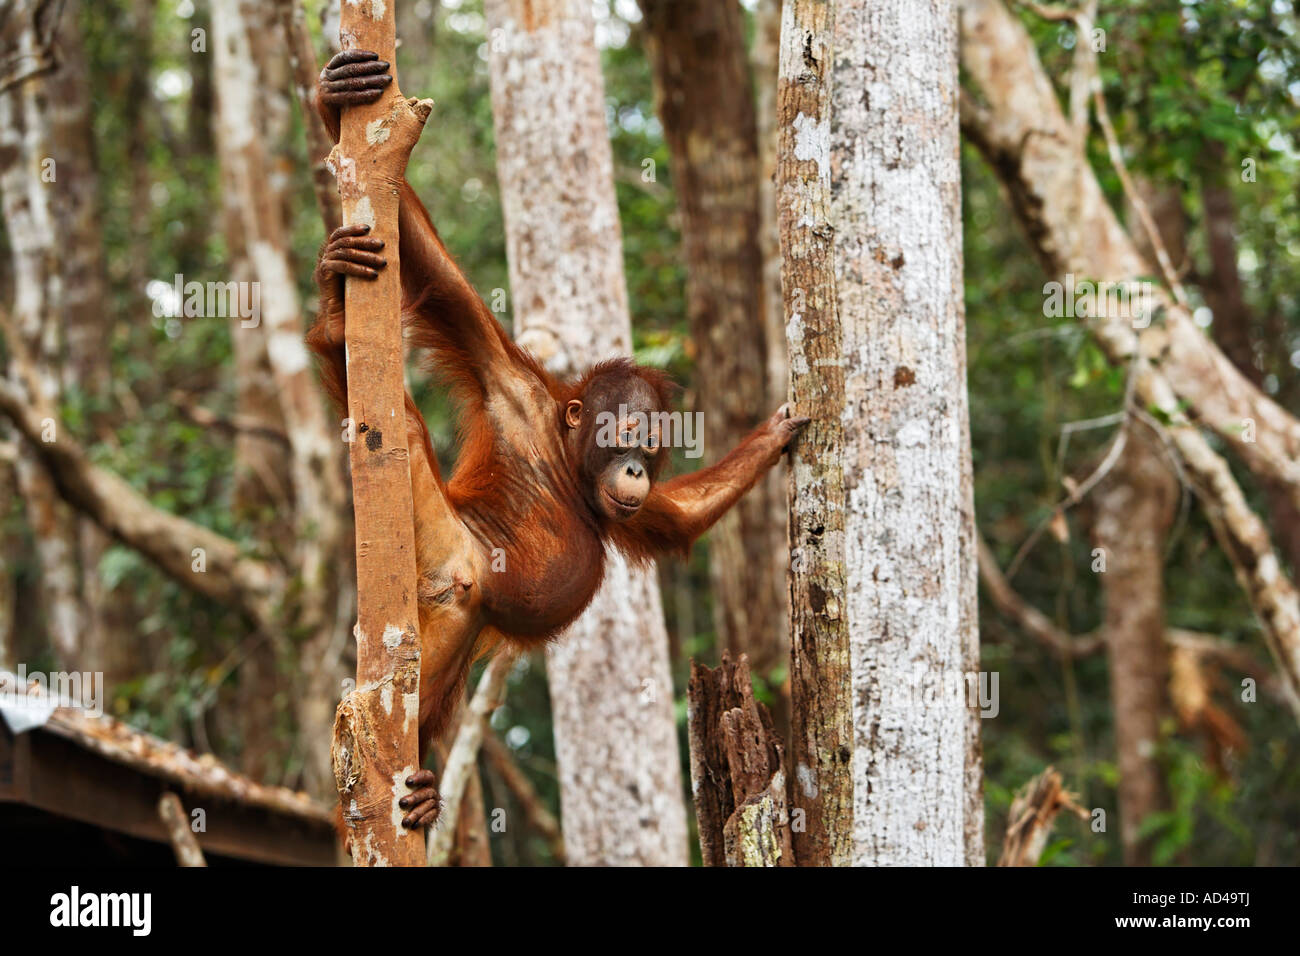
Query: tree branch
point(194, 556)
point(1021, 131)
point(462, 760)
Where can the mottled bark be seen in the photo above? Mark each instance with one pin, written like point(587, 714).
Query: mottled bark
point(821, 724)
point(375, 733)
point(611, 688)
point(909, 522)
point(1134, 508)
point(704, 99)
point(1019, 128)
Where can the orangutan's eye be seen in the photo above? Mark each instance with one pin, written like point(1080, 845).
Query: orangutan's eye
point(652, 443)
point(627, 439)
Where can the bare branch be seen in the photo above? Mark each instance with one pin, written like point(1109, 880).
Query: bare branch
point(196, 557)
point(1032, 621)
point(185, 846)
point(463, 759)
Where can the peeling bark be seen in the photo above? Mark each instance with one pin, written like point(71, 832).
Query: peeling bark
point(737, 773)
point(611, 687)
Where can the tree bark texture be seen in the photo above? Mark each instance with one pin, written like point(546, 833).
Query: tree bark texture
point(375, 746)
point(909, 522)
point(737, 770)
point(611, 688)
point(821, 724)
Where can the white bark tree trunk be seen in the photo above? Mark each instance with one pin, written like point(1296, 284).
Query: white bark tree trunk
point(255, 207)
point(29, 180)
point(909, 521)
point(611, 689)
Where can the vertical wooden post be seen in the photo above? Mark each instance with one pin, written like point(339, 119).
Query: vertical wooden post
point(375, 732)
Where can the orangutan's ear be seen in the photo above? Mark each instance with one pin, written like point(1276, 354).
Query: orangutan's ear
point(573, 413)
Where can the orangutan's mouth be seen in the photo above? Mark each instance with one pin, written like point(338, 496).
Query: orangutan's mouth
point(624, 509)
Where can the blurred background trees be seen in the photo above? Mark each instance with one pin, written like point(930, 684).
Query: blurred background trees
point(192, 415)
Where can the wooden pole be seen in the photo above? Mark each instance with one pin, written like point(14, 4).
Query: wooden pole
point(375, 732)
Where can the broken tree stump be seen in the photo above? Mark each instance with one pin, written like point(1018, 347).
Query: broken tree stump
point(737, 774)
point(1033, 811)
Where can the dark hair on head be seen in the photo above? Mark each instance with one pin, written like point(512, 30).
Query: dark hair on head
point(619, 369)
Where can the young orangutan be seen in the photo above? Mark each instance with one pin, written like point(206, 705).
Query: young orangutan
point(511, 548)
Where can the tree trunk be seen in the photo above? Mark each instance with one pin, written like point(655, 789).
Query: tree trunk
point(302, 62)
point(705, 102)
point(1235, 325)
point(375, 738)
point(29, 182)
point(274, 344)
point(263, 478)
point(870, 190)
point(765, 56)
point(9, 548)
point(909, 523)
point(107, 645)
point(821, 720)
point(1135, 506)
point(611, 688)
point(737, 772)
point(461, 837)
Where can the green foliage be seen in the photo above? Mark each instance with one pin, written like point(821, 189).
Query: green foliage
point(1195, 88)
